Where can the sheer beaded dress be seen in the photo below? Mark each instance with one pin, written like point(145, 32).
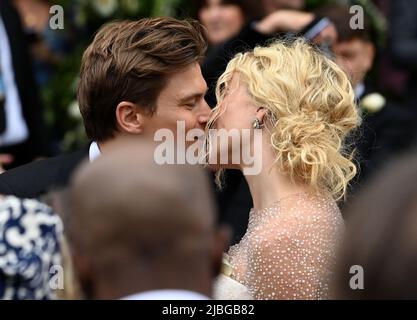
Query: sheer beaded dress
point(288, 251)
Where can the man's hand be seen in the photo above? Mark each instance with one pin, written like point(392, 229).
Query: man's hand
point(327, 36)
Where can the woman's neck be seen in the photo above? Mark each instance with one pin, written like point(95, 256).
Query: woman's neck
point(271, 185)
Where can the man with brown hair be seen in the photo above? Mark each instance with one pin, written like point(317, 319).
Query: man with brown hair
point(136, 77)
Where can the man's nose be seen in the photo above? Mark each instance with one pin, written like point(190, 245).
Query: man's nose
point(204, 115)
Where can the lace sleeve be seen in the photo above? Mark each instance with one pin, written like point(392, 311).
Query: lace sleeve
point(292, 258)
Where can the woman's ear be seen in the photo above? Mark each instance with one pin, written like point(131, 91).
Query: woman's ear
point(129, 118)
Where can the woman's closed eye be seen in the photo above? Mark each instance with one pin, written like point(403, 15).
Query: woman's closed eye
point(191, 105)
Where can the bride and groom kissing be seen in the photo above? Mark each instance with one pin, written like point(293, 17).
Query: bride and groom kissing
point(138, 77)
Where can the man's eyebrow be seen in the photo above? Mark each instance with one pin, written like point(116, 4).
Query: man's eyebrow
point(193, 95)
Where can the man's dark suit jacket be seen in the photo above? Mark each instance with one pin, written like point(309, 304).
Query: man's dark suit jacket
point(382, 135)
point(37, 178)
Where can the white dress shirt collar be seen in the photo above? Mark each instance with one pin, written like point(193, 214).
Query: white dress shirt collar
point(167, 295)
point(94, 151)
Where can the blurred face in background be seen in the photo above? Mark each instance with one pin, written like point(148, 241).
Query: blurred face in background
point(223, 20)
point(271, 6)
point(356, 57)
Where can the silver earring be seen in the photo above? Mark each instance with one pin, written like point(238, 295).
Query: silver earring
point(256, 123)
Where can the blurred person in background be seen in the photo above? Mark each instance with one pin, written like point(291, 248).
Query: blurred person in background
point(278, 19)
point(270, 6)
point(380, 242)
point(158, 236)
point(47, 45)
point(386, 127)
point(51, 49)
point(31, 251)
point(22, 127)
point(223, 19)
point(136, 78)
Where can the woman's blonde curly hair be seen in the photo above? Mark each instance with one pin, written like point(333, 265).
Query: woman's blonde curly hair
point(310, 107)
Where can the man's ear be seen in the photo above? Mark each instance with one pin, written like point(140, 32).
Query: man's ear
point(129, 117)
point(221, 244)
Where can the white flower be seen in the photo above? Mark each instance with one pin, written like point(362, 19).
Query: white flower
point(74, 110)
point(373, 102)
point(105, 8)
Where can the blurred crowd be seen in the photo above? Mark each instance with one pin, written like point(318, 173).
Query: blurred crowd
point(111, 253)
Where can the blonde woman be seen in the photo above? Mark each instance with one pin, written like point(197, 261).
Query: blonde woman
point(303, 104)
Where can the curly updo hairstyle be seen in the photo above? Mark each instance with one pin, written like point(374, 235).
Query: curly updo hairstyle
point(310, 107)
